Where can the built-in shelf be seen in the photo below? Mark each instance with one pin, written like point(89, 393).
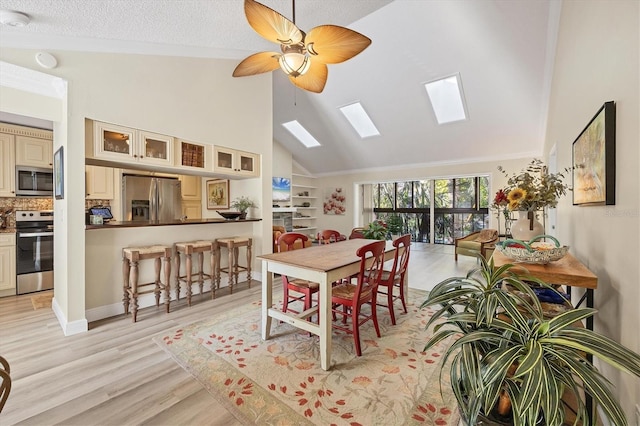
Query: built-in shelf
point(285, 209)
point(304, 218)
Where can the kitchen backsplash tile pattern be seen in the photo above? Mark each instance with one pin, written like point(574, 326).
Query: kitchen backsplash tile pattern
point(23, 203)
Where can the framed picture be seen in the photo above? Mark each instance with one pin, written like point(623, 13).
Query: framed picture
point(58, 174)
point(218, 194)
point(594, 159)
point(281, 189)
point(334, 201)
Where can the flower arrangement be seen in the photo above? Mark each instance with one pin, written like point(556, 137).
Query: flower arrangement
point(532, 189)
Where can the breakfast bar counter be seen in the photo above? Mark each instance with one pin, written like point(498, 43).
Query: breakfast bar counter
point(142, 223)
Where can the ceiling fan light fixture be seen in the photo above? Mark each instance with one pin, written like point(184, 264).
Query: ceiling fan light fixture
point(294, 64)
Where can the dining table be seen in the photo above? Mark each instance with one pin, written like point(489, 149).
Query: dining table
point(323, 264)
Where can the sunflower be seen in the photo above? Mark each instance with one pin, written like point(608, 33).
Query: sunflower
point(517, 195)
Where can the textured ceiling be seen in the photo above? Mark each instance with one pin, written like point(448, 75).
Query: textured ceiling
point(503, 51)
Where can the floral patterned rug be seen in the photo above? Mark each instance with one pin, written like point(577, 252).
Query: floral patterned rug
point(280, 381)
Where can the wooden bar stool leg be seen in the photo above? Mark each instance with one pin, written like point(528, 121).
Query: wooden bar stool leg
point(167, 279)
point(156, 292)
point(188, 266)
point(177, 274)
point(249, 262)
point(134, 288)
point(201, 271)
point(230, 266)
point(236, 267)
point(214, 269)
point(218, 268)
point(126, 268)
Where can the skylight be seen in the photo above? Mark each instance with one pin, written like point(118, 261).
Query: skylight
point(301, 134)
point(360, 120)
point(446, 99)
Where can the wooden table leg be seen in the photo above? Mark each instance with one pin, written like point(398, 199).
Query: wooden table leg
point(267, 299)
point(324, 310)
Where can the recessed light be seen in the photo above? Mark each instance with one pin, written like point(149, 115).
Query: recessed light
point(13, 19)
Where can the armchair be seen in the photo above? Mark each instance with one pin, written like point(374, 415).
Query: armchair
point(475, 243)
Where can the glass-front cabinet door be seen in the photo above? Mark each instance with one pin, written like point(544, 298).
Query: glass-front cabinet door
point(233, 162)
point(114, 142)
point(155, 148)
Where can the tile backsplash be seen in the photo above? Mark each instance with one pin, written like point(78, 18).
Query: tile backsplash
point(23, 203)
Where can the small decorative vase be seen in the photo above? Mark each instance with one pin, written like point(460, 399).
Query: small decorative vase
point(243, 215)
point(527, 226)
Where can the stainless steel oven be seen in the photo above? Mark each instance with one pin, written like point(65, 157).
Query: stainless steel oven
point(34, 250)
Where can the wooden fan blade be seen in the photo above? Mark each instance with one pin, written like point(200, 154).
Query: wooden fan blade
point(257, 64)
point(314, 79)
point(332, 44)
point(270, 24)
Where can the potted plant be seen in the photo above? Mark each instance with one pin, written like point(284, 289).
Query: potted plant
point(394, 224)
point(242, 204)
point(503, 345)
point(376, 230)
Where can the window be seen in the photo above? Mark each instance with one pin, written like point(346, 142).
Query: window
point(460, 206)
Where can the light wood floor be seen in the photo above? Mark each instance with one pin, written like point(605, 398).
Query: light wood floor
point(116, 375)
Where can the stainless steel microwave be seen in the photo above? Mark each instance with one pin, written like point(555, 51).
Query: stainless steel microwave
point(34, 181)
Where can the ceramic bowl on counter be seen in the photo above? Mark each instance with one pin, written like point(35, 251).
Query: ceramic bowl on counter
point(230, 215)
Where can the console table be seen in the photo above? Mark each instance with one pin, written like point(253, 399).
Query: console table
point(567, 271)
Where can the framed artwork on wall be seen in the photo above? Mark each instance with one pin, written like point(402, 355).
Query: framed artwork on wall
point(218, 194)
point(281, 189)
point(334, 201)
point(594, 159)
point(58, 174)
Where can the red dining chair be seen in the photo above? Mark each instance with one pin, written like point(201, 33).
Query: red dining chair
point(395, 276)
point(347, 299)
point(287, 242)
point(328, 236)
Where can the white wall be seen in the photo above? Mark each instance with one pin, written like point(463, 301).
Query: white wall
point(597, 60)
point(345, 223)
point(195, 99)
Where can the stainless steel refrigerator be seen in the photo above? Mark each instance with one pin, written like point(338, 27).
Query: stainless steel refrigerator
point(151, 198)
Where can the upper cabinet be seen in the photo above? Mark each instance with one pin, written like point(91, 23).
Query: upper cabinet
point(7, 165)
point(99, 183)
point(119, 143)
point(34, 152)
point(193, 156)
point(232, 162)
point(139, 149)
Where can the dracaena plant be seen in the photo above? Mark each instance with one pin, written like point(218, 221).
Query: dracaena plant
point(504, 344)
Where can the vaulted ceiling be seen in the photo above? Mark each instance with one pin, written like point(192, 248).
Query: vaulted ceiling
point(503, 51)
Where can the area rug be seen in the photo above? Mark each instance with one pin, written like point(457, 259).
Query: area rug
point(280, 382)
point(41, 300)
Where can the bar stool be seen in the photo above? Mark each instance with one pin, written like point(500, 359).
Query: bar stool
point(188, 249)
point(233, 269)
point(131, 256)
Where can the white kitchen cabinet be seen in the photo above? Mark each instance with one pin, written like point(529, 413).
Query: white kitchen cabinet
point(7, 264)
point(191, 188)
point(99, 183)
point(193, 156)
point(192, 209)
point(7, 165)
point(124, 144)
point(34, 152)
point(232, 162)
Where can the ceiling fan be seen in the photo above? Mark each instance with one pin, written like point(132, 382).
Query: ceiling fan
point(304, 57)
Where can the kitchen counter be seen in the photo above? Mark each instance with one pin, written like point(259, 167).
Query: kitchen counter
point(138, 224)
point(7, 230)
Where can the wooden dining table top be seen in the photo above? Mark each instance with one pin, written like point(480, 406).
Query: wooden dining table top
point(325, 257)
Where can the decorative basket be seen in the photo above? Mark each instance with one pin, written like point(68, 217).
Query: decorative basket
point(521, 251)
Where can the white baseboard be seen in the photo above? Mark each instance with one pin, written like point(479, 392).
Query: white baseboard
point(69, 328)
